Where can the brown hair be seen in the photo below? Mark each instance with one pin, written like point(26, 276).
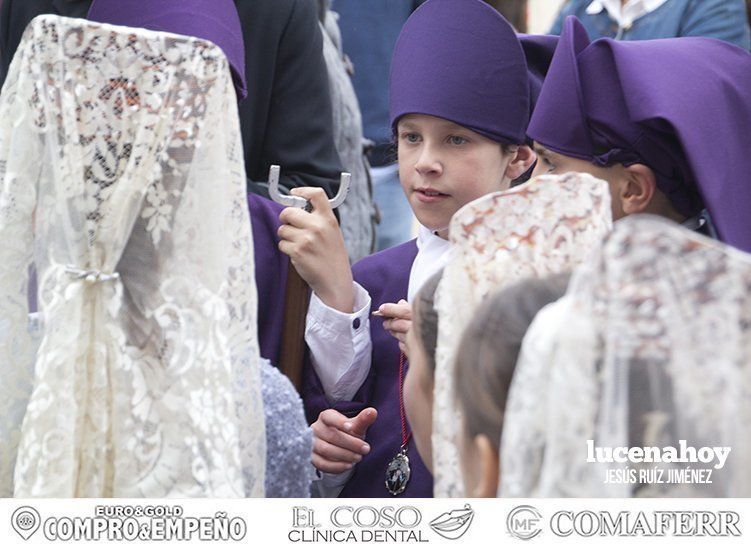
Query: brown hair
point(490, 347)
point(428, 321)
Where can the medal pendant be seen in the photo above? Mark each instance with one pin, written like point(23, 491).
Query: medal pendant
point(397, 473)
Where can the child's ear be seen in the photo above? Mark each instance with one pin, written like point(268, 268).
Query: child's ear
point(523, 160)
point(487, 456)
point(638, 189)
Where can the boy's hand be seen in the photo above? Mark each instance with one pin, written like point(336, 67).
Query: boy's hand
point(338, 440)
point(315, 246)
point(397, 319)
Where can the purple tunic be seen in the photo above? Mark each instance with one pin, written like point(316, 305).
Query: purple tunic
point(271, 274)
point(385, 276)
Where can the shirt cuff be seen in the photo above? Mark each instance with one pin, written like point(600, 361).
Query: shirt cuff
point(329, 486)
point(340, 345)
point(337, 323)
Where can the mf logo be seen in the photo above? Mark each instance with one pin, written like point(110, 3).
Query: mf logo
point(524, 522)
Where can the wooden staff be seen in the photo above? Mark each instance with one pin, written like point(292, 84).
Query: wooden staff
point(297, 292)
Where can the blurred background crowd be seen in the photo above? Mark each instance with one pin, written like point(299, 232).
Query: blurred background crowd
point(288, 119)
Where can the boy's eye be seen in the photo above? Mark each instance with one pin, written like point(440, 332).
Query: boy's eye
point(411, 137)
point(457, 140)
point(549, 166)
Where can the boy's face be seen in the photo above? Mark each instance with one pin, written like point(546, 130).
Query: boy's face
point(443, 166)
point(550, 162)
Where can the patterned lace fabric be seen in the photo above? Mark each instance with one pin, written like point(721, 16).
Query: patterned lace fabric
point(545, 226)
point(651, 346)
point(289, 440)
point(123, 186)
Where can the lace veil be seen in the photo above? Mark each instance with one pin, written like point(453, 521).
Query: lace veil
point(545, 226)
point(651, 346)
point(123, 190)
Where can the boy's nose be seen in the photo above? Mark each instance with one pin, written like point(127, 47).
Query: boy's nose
point(428, 163)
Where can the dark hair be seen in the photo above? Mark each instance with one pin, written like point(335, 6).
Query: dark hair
point(490, 346)
point(428, 321)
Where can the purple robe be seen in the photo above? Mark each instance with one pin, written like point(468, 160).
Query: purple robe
point(271, 274)
point(385, 276)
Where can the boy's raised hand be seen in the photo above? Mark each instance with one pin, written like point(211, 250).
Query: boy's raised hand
point(397, 319)
point(338, 441)
point(315, 246)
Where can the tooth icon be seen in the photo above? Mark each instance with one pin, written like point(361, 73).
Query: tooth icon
point(25, 520)
point(452, 525)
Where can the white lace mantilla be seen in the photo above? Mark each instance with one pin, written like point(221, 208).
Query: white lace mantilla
point(122, 185)
point(545, 226)
point(651, 346)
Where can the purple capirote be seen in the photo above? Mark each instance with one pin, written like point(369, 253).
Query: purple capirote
point(538, 50)
point(680, 106)
point(460, 60)
point(214, 20)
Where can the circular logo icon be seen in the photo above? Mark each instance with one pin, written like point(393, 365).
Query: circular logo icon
point(25, 520)
point(524, 522)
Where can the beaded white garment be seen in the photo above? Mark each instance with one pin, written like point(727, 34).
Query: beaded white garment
point(122, 185)
point(545, 226)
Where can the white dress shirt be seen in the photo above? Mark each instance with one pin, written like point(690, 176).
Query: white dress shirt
point(340, 344)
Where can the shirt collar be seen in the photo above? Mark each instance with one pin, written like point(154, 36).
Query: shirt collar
point(624, 15)
point(432, 256)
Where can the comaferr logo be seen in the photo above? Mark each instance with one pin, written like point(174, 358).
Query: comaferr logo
point(524, 522)
point(588, 523)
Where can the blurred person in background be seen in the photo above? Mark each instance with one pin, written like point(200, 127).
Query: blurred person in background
point(649, 19)
point(357, 212)
point(515, 12)
point(369, 31)
point(286, 121)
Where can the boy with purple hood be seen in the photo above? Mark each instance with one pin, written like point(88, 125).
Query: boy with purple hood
point(664, 122)
point(459, 107)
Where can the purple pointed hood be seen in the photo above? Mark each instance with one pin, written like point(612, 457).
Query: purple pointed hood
point(214, 20)
point(680, 106)
point(538, 50)
point(461, 60)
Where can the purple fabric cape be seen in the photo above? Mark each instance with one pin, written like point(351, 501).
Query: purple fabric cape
point(460, 60)
point(271, 271)
point(385, 276)
point(680, 106)
point(214, 20)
